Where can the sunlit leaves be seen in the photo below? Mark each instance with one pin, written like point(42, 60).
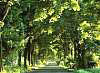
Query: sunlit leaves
point(87, 30)
point(98, 26)
point(97, 35)
point(50, 11)
point(94, 57)
point(53, 19)
point(75, 5)
point(85, 35)
point(50, 30)
point(10, 3)
point(85, 25)
point(58, 11)
point(21, 43)
point(53, 25)
point(62, 7)
point(40, 15)
point(1, 24)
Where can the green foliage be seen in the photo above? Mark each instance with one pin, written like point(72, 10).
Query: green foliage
point(75, 5)
point(58, 29)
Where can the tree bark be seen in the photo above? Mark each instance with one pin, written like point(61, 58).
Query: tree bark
point(29, 55)
point(19, 58)
point(0, 53)
point(25, 57)
point(0, 62)
point(32, 57)
point(75, 50)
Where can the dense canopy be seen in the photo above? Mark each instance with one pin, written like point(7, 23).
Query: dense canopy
point(32, 31)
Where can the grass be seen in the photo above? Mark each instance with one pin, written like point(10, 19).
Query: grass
point(94, 70)
point(15, 69)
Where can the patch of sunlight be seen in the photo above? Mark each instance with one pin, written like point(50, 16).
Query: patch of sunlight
point(37, 66)
point(40, 65)
point(37, 50)
point(98, 27)
point(98, 21)
point(85, 24)
point(50, 30)
point(63, 7)
point(97, 36)
point(98, 5)
point(4, 71)
point(1, 24)
point(62, 65)
point(51, 62)
point(29, 68)
point(22, 43)
point(54, 51)
point(75, 5)
point(53, 19)
point(85, 35)
point(94, 57)
point(39, 16)
point(50, 11)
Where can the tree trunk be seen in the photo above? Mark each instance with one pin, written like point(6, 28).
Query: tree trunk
point(19, 58)
point(79, 59)
point(29, 55)
point(32, 57)
point(25, 57)
point(0, 53)
point(83, 54)
point(80, 55)
point(27, 51)
point(77, 53)
point(75, 50)
point(0, 62)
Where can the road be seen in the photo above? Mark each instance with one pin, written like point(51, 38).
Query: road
point(50, 67)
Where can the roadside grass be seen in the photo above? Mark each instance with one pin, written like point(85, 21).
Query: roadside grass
point(90, 70)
